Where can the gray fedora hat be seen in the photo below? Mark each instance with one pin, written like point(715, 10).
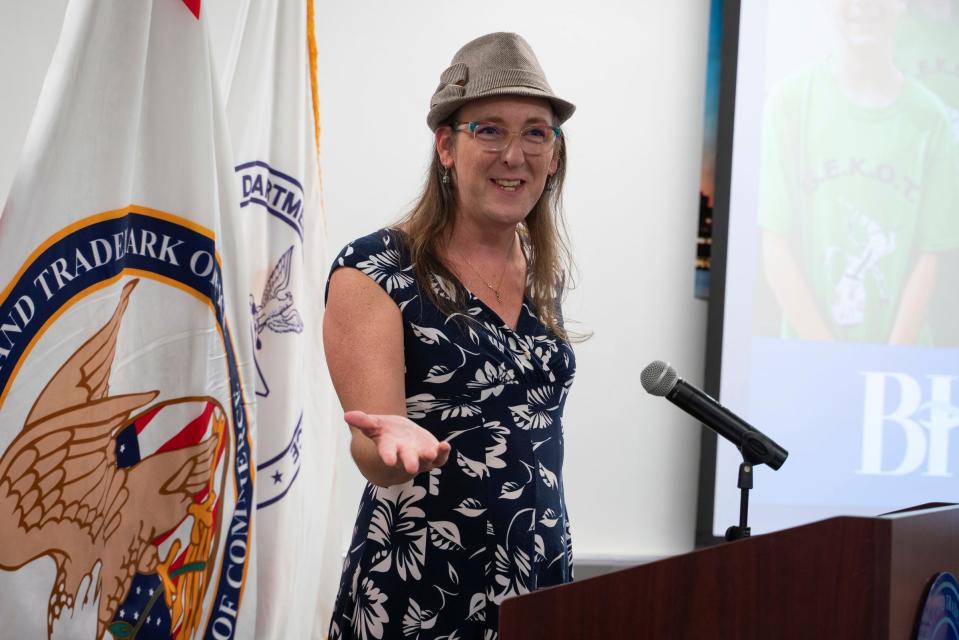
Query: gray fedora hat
point(497, 64)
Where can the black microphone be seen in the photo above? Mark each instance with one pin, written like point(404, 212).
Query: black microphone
point(660, 379)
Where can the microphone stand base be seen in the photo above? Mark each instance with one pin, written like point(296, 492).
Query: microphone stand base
point(745, 484)
point(736, 533)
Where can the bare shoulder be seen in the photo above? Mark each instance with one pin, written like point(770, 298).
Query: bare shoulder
point(352, 291)
point(363, 340)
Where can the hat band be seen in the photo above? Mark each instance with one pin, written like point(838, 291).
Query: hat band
point(481, 84)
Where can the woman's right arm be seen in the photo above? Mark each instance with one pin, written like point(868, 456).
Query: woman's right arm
point(363, 340)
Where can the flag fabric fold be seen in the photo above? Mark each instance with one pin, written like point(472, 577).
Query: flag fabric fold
point(270, 88)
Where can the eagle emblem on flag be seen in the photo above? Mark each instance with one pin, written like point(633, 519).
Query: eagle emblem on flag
point(93, 482)
point(275, 311)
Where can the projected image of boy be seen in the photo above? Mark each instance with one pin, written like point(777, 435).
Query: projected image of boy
point(859, 189)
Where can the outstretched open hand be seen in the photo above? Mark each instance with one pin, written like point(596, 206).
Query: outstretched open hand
point(400, 442)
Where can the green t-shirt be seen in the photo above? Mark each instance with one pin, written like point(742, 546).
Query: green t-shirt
point(928, 50)
point(859, 191)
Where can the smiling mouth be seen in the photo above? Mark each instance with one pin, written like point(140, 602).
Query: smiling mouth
point(864, 21)
point(865, 17)
point(507, 185)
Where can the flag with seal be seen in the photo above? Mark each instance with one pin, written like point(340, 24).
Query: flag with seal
point(127, 458)
point(272, 106)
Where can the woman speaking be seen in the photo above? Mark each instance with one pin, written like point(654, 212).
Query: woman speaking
point(446, 346)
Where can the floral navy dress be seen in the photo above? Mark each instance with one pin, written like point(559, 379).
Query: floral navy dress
point(434, 557)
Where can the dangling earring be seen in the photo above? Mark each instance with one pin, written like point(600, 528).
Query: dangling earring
point(445, 178)
point(549, 183)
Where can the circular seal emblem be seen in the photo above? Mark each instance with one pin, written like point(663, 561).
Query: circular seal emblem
point(939, 617)
point(126, 490)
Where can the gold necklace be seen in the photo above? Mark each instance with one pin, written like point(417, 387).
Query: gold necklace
point(489, 285)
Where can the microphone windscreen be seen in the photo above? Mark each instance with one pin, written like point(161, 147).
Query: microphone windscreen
point(658, 378)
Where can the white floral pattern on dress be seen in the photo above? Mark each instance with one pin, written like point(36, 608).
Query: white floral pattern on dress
point(369, 614)
point(399, 526)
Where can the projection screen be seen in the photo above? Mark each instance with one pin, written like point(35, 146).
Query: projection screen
point(839, 301)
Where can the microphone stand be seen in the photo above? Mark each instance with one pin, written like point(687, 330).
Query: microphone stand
point(745, 484)
point(752, 455)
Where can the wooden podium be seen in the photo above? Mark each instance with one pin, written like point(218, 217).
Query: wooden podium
point(844, 578)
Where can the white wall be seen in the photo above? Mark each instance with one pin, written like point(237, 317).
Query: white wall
point(636, 72)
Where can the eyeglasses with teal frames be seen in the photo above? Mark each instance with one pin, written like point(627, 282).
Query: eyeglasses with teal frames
point(534, 139)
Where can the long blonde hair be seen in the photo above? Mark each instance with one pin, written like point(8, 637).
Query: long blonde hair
point(543, 237)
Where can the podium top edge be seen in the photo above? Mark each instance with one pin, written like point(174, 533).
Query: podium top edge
point(920, 510)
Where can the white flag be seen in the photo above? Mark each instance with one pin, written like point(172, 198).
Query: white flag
point(126, 436)
point(272, 109)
